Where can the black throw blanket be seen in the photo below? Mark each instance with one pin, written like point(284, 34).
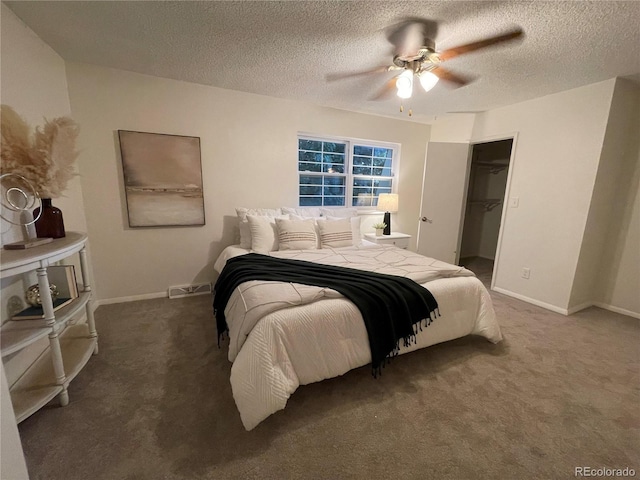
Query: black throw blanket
point(393, 307)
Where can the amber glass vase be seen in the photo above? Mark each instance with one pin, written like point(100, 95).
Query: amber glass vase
point(50, 223)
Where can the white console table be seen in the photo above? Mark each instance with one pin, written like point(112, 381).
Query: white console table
point(70, 346)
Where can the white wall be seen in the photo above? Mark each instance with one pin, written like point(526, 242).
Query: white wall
point(560, 138)
point(249, 152)
point(619, 150)
point(12, 464)
point(617, 274)
point(577, 174)
point(453, 128)
point(33, 82)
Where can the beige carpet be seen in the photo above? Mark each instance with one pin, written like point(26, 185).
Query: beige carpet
point(558, 393)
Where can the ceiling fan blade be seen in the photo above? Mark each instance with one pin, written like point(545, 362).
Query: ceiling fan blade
point(410, 34)
point(332, 77)
point(385, 92)
point(487, 42)
point(449, 76)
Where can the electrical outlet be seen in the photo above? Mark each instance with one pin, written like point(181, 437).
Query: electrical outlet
point(526, 272)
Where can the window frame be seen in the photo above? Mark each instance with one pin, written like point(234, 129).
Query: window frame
point(348, 165)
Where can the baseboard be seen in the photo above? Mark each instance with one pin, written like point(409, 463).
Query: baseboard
point(604, 306)
point(132, 298)
point(477, 256)
point(571, 310)
point(619, 310)
point(548, 306)
point(577, 308)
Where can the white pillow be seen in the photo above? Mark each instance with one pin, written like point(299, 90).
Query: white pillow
point(335, 233)
point(355, 229)
point(306, 212)
point(293, 216)
point(264, 238)
point(296, 234)
point(243, 224)
point(315, 220)
point(341, 212)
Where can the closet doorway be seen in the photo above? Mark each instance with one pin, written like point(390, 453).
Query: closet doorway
point(488, 174)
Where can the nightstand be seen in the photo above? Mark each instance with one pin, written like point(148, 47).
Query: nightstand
point(400, 240)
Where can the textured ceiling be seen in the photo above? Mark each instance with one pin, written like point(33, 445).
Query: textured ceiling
point(285, 49)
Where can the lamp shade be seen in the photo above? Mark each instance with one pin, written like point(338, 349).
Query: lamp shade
point(428, 80)
point(404, 84)
point(388, 202)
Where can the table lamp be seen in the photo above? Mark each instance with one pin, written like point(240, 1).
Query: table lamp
point(388, 202)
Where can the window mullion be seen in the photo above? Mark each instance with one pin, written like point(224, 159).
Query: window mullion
point(348, 191)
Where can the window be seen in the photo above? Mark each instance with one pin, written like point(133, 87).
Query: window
point(344, 172)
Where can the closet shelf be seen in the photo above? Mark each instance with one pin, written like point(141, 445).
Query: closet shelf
point(492, 166)
point(488, 204)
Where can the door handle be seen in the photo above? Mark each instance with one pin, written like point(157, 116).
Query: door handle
point(425, 219)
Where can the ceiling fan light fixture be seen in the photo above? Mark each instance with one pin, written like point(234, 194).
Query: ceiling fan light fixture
point(404, 84)
point(405, 93)
point(428, 80)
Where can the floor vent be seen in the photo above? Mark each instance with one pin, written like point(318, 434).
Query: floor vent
point(180, 291)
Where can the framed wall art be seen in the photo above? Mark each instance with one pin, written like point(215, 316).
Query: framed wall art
point(162, 179)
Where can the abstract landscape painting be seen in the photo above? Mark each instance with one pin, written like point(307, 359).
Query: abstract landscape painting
point(162, 179)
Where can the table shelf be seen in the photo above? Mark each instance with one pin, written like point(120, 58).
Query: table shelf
point(37, 386)
point(70, 345)
point(18, 334)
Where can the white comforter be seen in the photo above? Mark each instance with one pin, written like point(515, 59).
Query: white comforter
point(283, 335)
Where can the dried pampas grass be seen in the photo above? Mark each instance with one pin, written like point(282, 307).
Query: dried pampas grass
point(45, 158)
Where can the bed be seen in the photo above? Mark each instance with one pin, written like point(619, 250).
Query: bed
point(283, 335)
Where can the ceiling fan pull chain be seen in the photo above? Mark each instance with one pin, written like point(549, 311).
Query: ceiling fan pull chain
point(402, 110)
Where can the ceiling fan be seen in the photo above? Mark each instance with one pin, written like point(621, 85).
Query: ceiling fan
point(415, 56)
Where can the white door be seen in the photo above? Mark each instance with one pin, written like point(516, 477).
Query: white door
point(444, 191)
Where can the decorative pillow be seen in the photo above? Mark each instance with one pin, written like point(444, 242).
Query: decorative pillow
point(264, 238)
point(355, 229)
point(296, 234)
point(341, 212)
point(243, 224)
point(305, 212)
point(335, 233)
point(315, 220)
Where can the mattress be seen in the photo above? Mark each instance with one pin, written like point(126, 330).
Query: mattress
point(283, 335)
